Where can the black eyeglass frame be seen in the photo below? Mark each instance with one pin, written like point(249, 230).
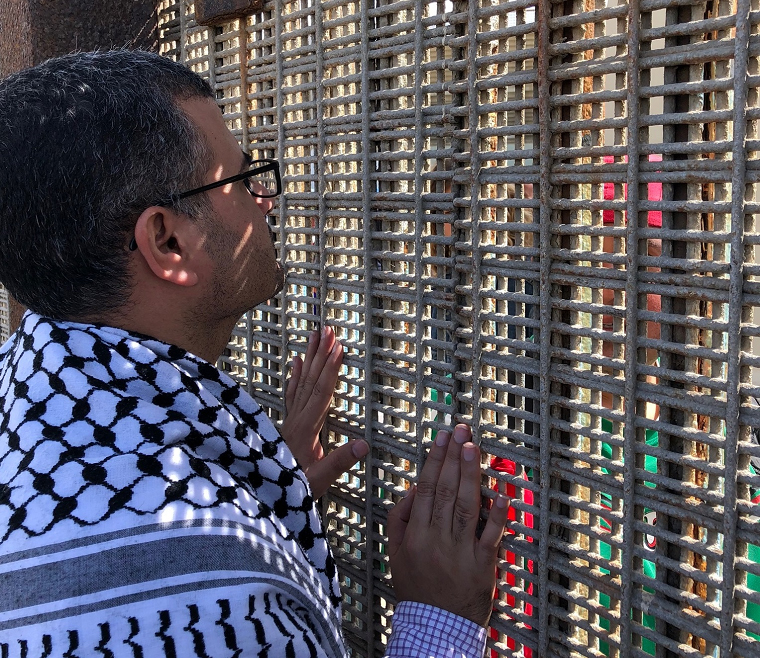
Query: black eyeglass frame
point(257, 167)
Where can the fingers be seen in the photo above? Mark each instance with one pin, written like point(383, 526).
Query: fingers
point(307, 402)
point(467, 507)
point(398, 520)
point(311, 349)
point(328, 376)
point(324, 472)
point(490, 539)
point(448, 493)
point(323, 351)
point(315, 403)
point(426, 486)
point(447, 488)
point(320, 346)
point(295, 376)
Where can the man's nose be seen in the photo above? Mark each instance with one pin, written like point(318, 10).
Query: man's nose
point(265, 203)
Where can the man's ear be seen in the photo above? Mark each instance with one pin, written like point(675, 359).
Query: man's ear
point(168, 242)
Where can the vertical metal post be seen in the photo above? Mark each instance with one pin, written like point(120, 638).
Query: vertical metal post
point(475, 163)
point(321, 147)
point(631, 326)
point(736, 284)
point(245, 145)
point(368, 319)
point(182, 30)
point(282, 297)
point(419, 229)
point(545, 189)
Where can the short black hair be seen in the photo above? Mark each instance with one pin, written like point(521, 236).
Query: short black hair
point(87, 142)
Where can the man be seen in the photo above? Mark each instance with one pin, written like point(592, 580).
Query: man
point(148, 507)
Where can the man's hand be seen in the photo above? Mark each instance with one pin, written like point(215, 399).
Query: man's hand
point(435, 555)
point(307, 401)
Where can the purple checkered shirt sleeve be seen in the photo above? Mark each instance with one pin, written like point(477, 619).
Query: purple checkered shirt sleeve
point(424, 631)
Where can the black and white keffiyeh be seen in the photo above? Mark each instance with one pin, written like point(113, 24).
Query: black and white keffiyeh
point(148, 507)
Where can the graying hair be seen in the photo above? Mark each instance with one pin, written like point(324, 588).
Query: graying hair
point(87, 142)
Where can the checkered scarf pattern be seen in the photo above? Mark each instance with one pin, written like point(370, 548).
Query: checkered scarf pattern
point(148, 507)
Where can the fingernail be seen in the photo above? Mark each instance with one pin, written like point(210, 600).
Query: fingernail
point(325, 332)
point(442, 438)
point(461, 434)
point(469, 451)
point(360, 449)
point(313, 336)
point(502, 501)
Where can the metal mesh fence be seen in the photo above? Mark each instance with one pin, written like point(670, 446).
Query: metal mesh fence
point(5, 319)
point(537, 217)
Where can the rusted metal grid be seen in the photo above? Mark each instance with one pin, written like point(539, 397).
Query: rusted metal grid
point(5, 317)
point(458, 180)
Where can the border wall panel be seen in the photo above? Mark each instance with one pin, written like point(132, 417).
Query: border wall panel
point(539, 218)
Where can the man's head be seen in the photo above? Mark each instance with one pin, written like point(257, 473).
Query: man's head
point(87, 142)
point(222, 265)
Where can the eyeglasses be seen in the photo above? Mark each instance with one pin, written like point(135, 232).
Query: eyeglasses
point(261, 180)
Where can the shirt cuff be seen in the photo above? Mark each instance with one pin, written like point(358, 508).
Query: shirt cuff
point(424, 631)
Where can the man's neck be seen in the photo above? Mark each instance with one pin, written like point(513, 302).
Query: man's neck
point(202, 338)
